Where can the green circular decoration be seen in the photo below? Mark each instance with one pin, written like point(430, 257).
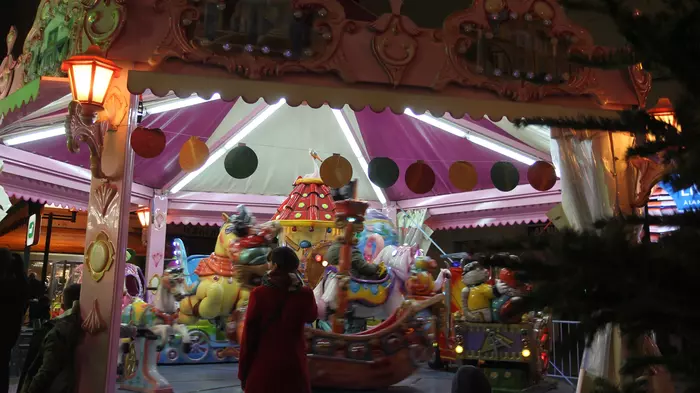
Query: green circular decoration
point(505, 176)
point(383, 172)
point(241, 162)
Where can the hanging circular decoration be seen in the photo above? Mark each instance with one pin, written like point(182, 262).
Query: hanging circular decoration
point(148, 142)
point(463, 175)
point(99, 256)
point(504, 176)
point(383, 172)
point(420, 177)
point(241, 162)
point(541, 176)
point(336, 171)
point(193, 154)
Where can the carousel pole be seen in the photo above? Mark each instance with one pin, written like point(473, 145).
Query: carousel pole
point(101, 119)
point(155, 257)
point(344, 278)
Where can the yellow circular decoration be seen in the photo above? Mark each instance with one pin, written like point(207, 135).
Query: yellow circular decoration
point(322, 196)
point(336, 171)
point(494, 6)
point(328, 216)
point(99, 256)
point(297, 215)
point(304, 195)
point(324, 206)
point(302, 204)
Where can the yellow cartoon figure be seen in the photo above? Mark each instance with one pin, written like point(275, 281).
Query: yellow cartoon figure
point(477, 295)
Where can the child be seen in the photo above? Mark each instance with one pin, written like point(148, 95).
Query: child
point(52, 369)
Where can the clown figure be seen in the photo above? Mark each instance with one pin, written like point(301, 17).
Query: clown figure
point(477, 295)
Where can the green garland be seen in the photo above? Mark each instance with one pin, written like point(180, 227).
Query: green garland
point(605, 275)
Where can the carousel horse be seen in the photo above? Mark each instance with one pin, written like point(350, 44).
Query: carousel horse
point(222, 281)
point(374, 298)
point(161, 317)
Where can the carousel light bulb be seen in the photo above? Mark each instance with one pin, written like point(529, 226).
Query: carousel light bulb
point(324, 263)
point(352, 219)
point(459, 349)
point(526, 353)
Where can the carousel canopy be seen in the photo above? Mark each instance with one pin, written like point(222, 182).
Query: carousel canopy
point(282, 136)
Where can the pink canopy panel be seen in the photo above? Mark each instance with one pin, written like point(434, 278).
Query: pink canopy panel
point(282, 142)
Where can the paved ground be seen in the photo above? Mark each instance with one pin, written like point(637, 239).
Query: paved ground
point(222, 379)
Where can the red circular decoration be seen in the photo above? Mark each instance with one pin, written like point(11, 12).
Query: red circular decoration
point(147, 142)
point(541, 176)
point(420, 177)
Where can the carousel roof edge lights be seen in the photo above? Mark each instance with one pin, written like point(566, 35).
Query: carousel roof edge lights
point(335, 94)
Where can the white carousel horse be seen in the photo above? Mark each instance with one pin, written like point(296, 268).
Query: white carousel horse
point(374, 298)
point(161, 316)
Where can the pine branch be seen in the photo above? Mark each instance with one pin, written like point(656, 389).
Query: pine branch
point(610, 59)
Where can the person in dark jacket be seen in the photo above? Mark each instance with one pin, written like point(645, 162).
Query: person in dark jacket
point(13, 302)
point(37, 288)
point(53, 368)
point(273, 348)
point(470, 379)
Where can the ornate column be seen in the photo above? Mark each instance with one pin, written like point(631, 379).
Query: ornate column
point(106, 238)
point(155, 254)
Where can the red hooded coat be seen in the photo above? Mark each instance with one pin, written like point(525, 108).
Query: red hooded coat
point(273, 349)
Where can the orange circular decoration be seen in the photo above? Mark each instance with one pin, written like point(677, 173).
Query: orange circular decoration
point(494, 6)
point(336, 171)
point(543, 10)
point(541, 176)
point(193, 154)
point(463, 175)
point(420, 177)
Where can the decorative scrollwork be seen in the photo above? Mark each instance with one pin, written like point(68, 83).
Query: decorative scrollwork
point(394, 46)
point(521, 65)
point(79, 129)
point(641, 80)
point(103, 21)
point(648, 173)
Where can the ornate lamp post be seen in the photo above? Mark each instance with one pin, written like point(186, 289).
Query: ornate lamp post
point(90, 77)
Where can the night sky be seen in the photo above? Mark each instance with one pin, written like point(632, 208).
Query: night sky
point(19, 13)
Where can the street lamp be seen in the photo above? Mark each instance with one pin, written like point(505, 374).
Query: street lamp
point(144, 217)
point(90, 76)
point(663, 111)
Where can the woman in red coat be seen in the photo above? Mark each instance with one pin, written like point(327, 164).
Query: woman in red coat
point(273, 349)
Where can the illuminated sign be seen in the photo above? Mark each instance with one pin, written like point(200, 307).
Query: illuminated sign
point(688, 199)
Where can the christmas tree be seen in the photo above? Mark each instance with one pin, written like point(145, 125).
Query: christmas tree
point(606, 275)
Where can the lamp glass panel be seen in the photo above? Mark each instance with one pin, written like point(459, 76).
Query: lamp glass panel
point(103, 77)
point(82, 76)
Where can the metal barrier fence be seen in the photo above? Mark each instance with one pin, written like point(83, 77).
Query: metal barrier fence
point(568, 343)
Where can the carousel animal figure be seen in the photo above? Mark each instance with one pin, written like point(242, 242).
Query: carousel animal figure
point(509, 304)
point(161, 317)
point(478, 294)
point(226, 276)
point(374, 298)
point(421, 282)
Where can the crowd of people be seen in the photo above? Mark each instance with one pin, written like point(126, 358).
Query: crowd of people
point(48, 365)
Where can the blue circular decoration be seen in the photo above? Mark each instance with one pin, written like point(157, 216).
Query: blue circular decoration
point(305, 244)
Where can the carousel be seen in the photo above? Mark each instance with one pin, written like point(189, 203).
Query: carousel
point(221, 106)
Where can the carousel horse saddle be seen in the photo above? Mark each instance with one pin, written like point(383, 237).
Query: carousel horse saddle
point(370, 293)
point(137, 313)
point(253, 256)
